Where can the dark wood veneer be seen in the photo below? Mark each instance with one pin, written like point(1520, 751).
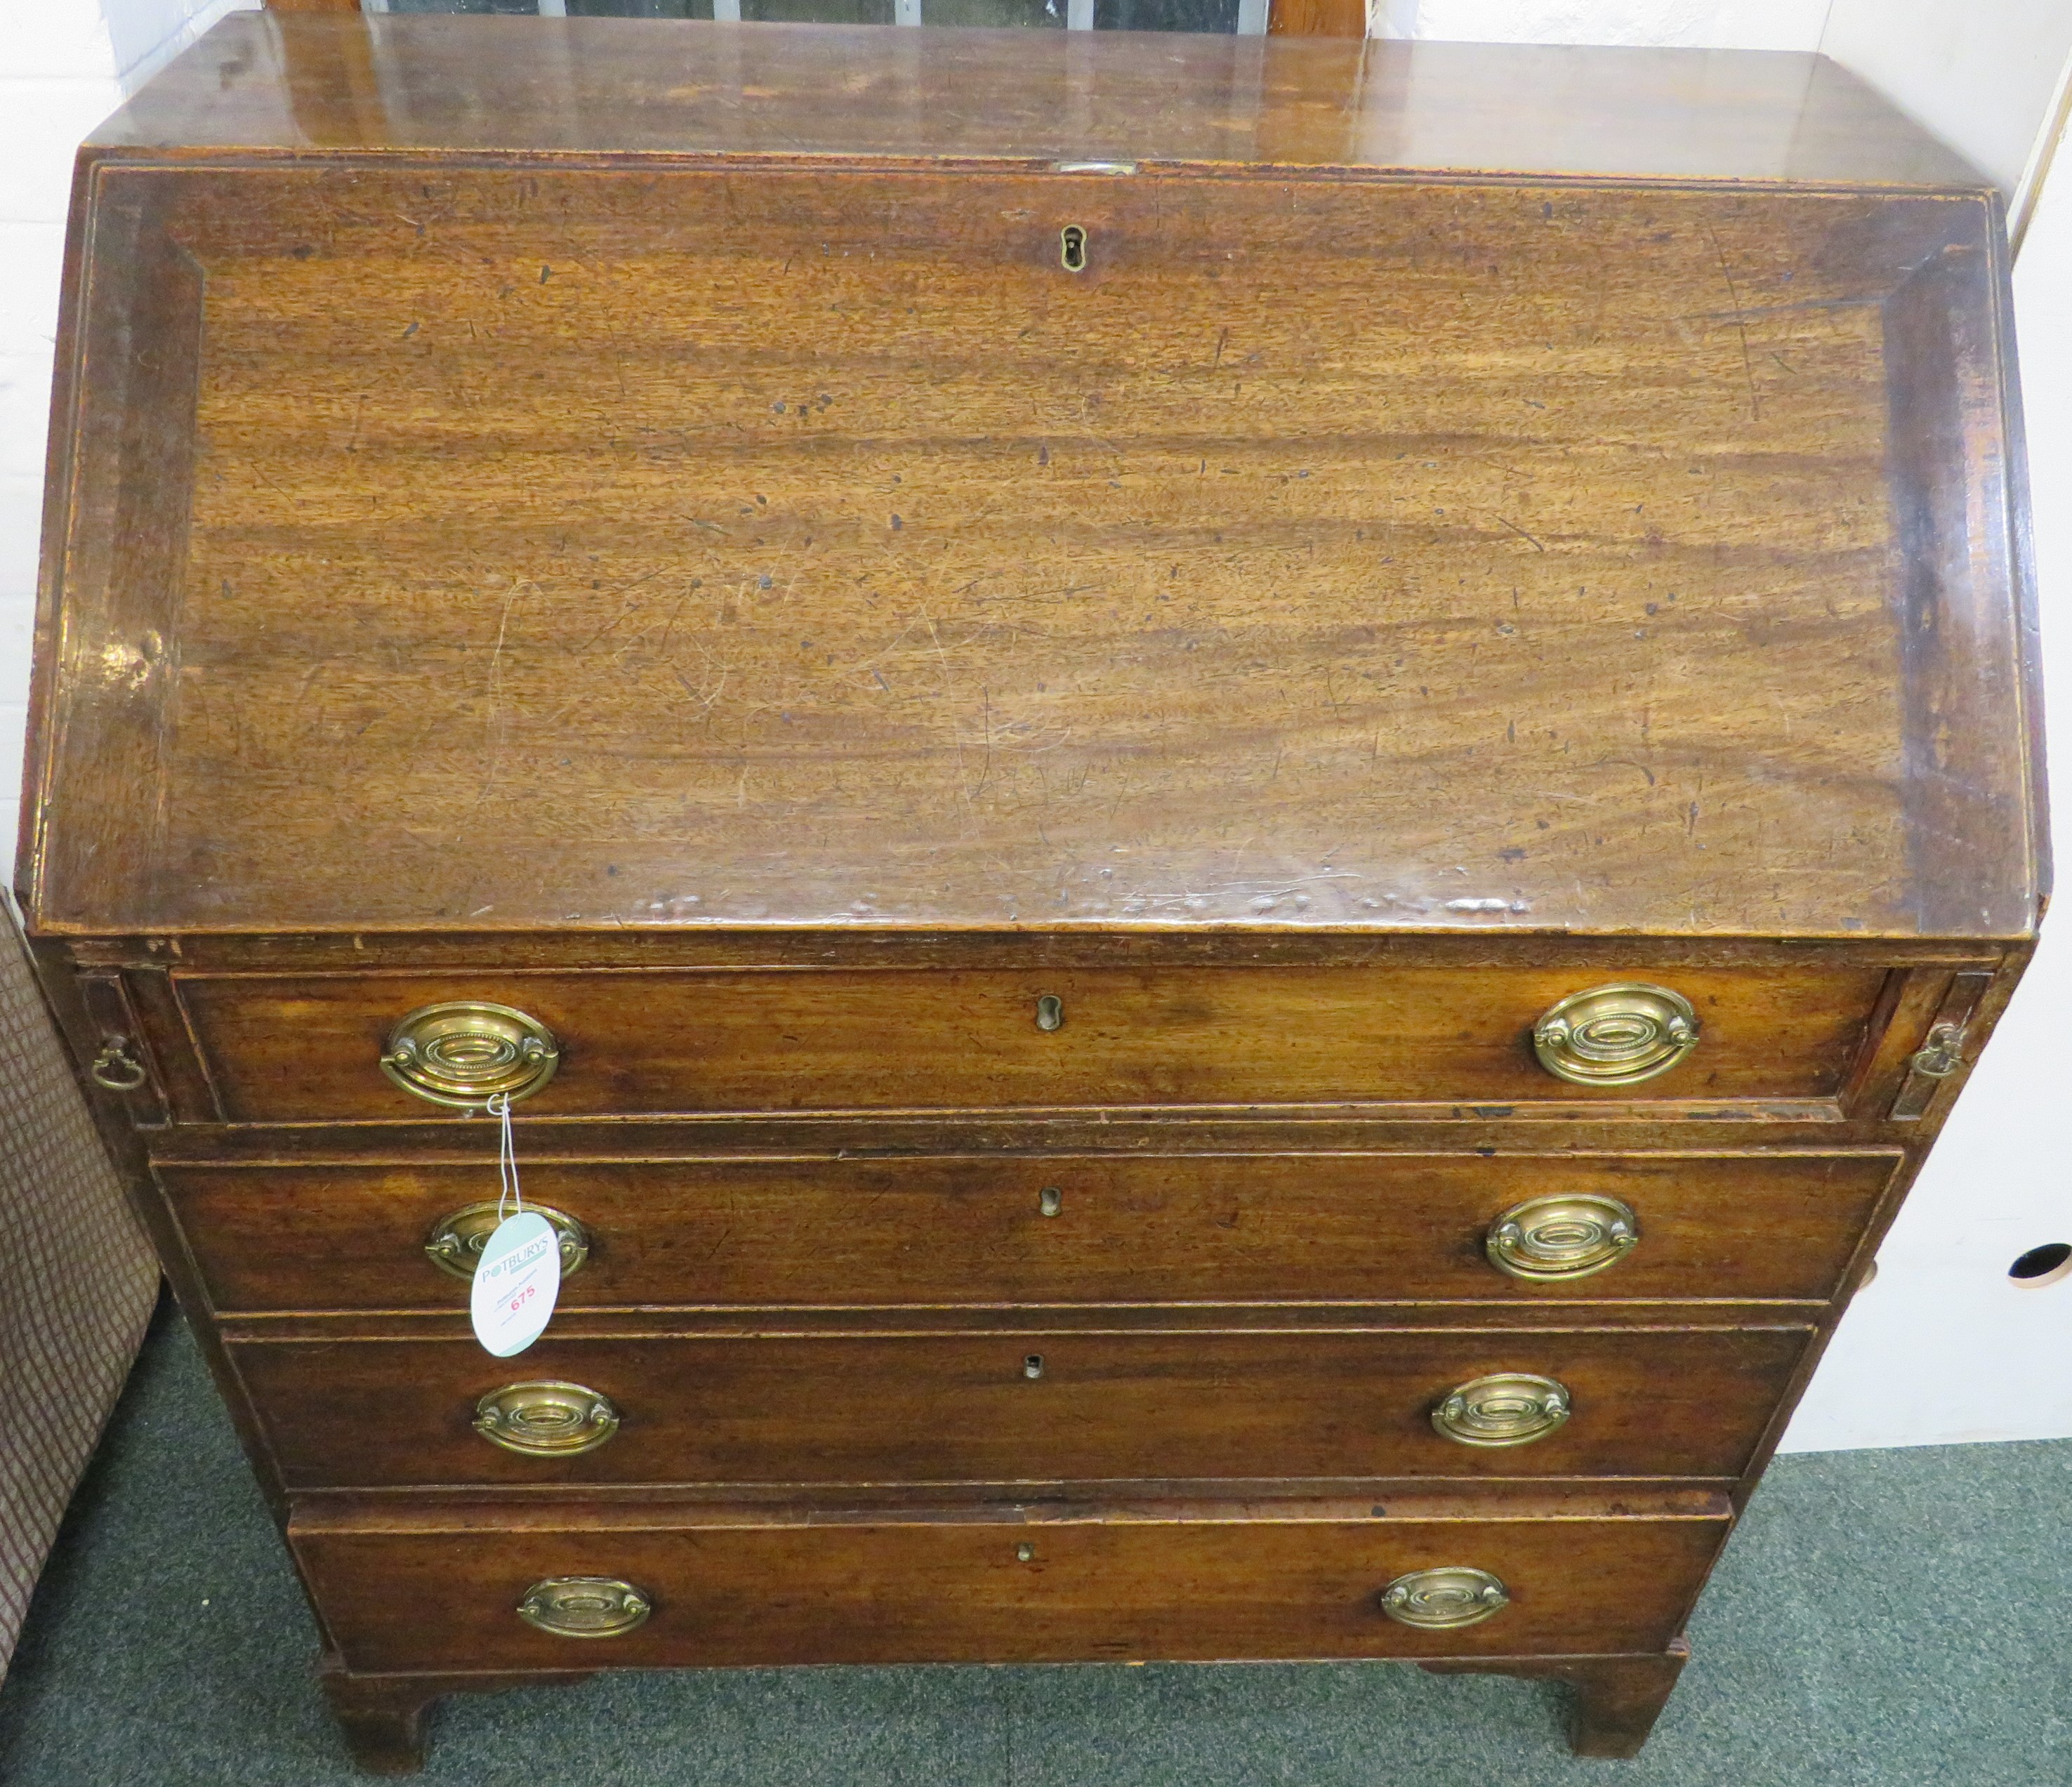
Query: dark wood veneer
point(932, 1232)
point(957, 1589)
point(947, 1408)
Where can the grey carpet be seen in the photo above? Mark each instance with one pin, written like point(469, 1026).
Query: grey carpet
point(1886, 1618)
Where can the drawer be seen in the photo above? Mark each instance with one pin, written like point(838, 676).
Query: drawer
point(966, 1589)
point(994, 1230)
point(1027, 1408)
point(290, 1049)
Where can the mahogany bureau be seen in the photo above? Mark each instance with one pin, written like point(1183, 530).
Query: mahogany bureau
point(1230, 813)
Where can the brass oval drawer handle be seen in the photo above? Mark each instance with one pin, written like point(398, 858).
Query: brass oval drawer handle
point(546, 1418)
point(116, 1067)
point(465, 1052)
point(455, 1244)
point(1562, 1235)
point(1506, 1408)
point(1445, 1599)
point(585, 1607)
point(1615, 1035)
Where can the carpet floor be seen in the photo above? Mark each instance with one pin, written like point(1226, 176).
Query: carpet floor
point(1882, 1617)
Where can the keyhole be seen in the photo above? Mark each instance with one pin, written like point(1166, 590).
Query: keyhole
point(1050, 1200)
point(1026, 1553)
point(1033, 1366)
point(1050, 1012)
point(1072, 248)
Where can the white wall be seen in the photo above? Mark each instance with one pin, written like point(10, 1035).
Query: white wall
point(1707, 24)
point(1983, 76)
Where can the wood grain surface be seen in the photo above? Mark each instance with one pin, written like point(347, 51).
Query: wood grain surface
point(953, 1408)
point(302, 1050)
point(641, 522)
point(1326, 553)
point(684, 87)
point(972, 1231)
point(956, 1590)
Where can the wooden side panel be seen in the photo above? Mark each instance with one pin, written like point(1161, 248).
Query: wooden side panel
point(111, 622)
point(292, 1051)
point(959, 1591)
point(977, 1230)
point(1033, 1407)
point(1956, 569)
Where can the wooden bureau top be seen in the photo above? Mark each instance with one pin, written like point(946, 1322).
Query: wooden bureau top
point(274, 81)
point(507, 475)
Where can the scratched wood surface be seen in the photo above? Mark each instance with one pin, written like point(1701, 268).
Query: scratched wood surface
point(1301, 1228)
point(959, 1590)
point(640, 547)
point(291, 1050)
point(946, 1407)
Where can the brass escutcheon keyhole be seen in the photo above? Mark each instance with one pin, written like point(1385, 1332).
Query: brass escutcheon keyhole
point(1072, 248)
point(1032, 1367)
point(1050, 1012)
point(1050, 1201)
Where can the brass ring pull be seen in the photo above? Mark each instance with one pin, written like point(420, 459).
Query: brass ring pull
point(1506, 1408)
point(585, 1607)
point(1564, 1235)
point(455, 1244)
point(465, 1052)
point(1445, 1599)
point(546, 1420)
point(116, 1068)
point(1942, 1053)
point(1615, 1035)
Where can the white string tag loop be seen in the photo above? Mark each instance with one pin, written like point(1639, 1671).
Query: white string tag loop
point(518, 1276)
point(507, 1194)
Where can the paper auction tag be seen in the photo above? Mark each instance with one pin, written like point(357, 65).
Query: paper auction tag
point(520, 1273)
point(515, 1284)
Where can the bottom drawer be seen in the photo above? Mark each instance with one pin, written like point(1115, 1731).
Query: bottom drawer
point(439, 1591)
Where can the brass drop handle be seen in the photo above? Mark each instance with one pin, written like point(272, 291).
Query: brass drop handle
point(1506, 1408)
point(1615, 1035)
point(1942, 1053)
point(455, 1244)
point(465, 1052)
point(585, 1607)
point(1445, 1598)
point(116, 1067)
point(1561, 1236)
point(546, 1418)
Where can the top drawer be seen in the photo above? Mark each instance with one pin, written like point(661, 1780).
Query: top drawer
point(280, 1048)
